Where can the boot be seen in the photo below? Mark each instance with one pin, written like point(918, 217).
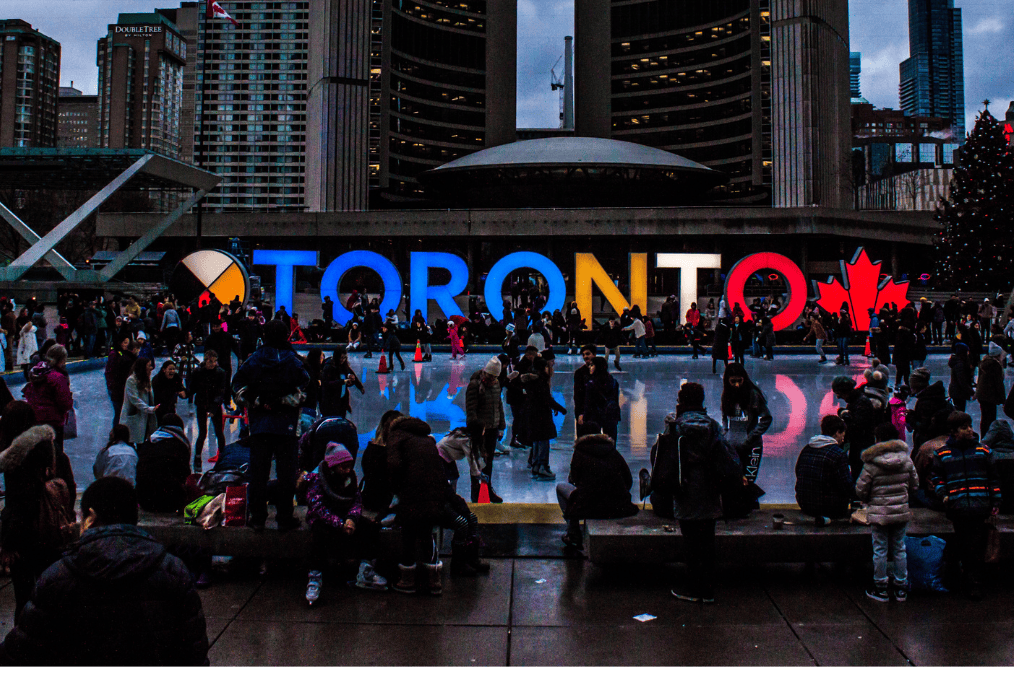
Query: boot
point(406, 585)
point(313, 586)
point(472, 556)
point(475, 489)
point(435, 584)
point(493, 497)
point(460, 561)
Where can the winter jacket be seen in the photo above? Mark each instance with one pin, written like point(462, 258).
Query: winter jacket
point(483, 406)
point(887, 478)
point(897, 411)
point(376, 485)
point(928, 418)
point(19, 532)
point(457, 445)
point(581, 376)
point(332, 504)
point(861, 420)
point(601, 401)
point(720, 349)
point(118, 367)
point(116, 599)
point(224, 346)
point(1000, 440)
point(539, 407)
point(416, 472)
point(334, 393)
point(960, 387)
point(817, 331)
point(163, 465)
point(602, 480)
point(117, 460)
point(964, 474)
point(824, 484)
point(166, 393)
point(313, 443)
point(208, 387)
point(989, 388)
point(48, 393)
point(273, 379)
point(706, 461)
point(138, 412)
point(758, 418)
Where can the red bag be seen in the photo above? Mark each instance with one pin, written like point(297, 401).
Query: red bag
point(191, 487)
point(235, 505)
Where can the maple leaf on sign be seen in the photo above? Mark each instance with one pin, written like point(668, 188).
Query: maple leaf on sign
point(860, 290)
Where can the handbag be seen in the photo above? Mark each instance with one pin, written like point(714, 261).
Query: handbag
point(55, 528)
point(70, 427)
point(992, 541)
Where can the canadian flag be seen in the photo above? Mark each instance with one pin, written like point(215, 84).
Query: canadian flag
point(215, 11)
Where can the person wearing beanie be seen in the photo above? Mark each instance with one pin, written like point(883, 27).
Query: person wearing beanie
point(860, 417)
point(485, 421)
point(989, 388)
point(960, 389)
point(270, 384)
point(334, 506)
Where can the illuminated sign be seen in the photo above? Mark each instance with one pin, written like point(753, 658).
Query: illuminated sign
point(859, 289)
point(735, 284)
point(207, 272)
point(862, 290)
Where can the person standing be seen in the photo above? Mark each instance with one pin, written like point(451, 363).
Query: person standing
point(118, 366)
point(637, 327)
point(457, 346)
point(698, 462)
point(989, 388)
point(960, 389)
point(541, 427)
point(139, 408)
point(819, 336)
point(168, 388)
point(48, 392)
point(271, 381)
point(117, 598)
point(965, 479)
point(392, 345)
point(423, 335)
point(171, 327)
point(610, 336)
point(484, 418)
point(600, 411)
point(860, 418)
point(208, 386)
point(720, 346)
point(581, 376)
point(745, 419)
point(337, 379)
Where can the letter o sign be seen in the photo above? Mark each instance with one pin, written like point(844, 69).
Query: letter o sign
point(735, 283)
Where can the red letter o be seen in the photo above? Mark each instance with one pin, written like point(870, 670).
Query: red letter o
point(735, 283)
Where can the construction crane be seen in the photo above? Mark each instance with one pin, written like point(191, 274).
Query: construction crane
point(565, 84)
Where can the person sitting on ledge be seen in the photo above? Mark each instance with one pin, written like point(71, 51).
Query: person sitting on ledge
point(598, 486)
point(163, 466)
point(824, 487)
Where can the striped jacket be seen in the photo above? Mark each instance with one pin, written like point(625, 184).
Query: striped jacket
point(964, 473)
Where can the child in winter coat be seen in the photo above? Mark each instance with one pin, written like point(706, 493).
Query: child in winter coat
point(457, 347)
point(887, 478)
point(896, 408)
point(334, 505)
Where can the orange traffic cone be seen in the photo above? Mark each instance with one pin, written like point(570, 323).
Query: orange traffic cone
point(483, 493)
point(867, 352)
point(383, 365)
point(418, 351)
point(730, 352)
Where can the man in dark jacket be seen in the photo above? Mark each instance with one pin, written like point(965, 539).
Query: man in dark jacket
point(250, 332)
point(117, 598)
point(224, 345)
point(965, 478)
point(484, 417)
point(693, 463)
point(581, 376)
point(337, 377)
point(928, 418)
point(824, 484)
point(271, 383)
point(860, 419)
point(208, 387)
point(598, 486)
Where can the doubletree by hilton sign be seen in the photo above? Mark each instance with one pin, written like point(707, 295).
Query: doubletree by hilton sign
point(860, 287)
point(138, 31)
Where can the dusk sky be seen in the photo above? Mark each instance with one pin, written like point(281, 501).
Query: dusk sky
point(879, 29)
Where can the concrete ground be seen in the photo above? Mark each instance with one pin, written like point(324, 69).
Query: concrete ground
point(567, 612)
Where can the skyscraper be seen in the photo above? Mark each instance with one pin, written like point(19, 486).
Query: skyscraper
point(855, 69)
point(79, 119)
point(933, 77)
point(29, 86)
point(141, 63)
point(186, 19)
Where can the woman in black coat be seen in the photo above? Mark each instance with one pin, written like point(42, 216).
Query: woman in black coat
point(598, 486)
point(168, 387)
point(720, 348)
point(601, 411)
point(539, 407)
point(745, 417)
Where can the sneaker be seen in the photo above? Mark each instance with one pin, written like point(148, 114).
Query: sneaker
point(900, 594)
point(368, 578)
point(313, 586)
point(545, 474)
point(878, 594)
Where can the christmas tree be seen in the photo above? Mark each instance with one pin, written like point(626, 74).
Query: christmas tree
point(975, 248)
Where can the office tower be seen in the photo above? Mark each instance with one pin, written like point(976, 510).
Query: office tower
point(186, 19)
point(933, 77)
point(29, 85)
point(78, 121)
point(855, 69)
point(250, 119)
point(443, 81)
point(141, 63)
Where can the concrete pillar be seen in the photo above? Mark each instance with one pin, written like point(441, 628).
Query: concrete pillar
point(592, 76)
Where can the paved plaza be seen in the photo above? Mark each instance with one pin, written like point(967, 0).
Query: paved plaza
point(798, 390)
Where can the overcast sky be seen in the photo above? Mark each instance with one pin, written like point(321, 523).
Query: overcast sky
point(879, 29)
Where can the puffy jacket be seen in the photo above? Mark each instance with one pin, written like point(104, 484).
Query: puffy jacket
point(416, 472)
point(483, 406)
point(602, 479)
point(163, 465)
point(25, 492)
point(376, 485)
point(989, 387)
point(329, 503)
point(334, 393)
point(118, 367)
point(707, 461)
point(208, 387)
point(928, 418)
point(960, 387)
point(887, 478)
point(1000, 440)
point(271, 377)
point(48, 393)
point(116, 599)
point(539, 407)
point(963, 472)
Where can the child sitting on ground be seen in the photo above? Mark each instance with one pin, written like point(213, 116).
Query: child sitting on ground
point(887, 478)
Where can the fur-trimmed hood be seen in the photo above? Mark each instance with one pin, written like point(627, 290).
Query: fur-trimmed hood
point(411, 426)
point(887, 454)
point(598, 445)
point(12, 457)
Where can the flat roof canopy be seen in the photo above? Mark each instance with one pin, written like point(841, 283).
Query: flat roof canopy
point(93, 168)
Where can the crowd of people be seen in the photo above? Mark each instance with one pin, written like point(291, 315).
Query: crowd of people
point(293, 413)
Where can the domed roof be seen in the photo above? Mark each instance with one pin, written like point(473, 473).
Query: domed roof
point(572, 150)
point(571, 172)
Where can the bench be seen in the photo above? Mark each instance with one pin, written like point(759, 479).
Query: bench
point(646, 538)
